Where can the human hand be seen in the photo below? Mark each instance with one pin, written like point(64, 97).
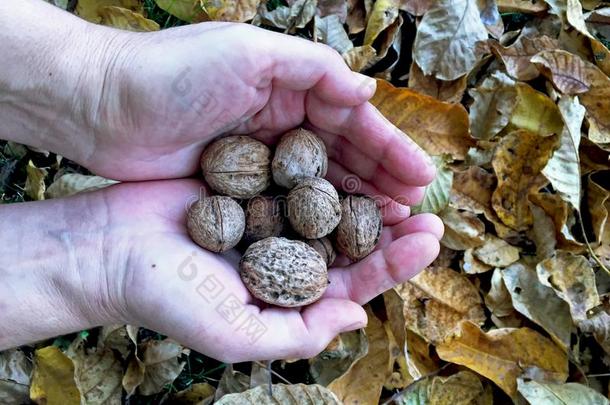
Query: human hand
point(197, 297)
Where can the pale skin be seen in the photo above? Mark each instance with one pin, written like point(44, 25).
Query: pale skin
point(141, 108)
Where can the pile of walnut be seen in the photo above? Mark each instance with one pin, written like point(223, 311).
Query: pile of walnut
point(285, 262)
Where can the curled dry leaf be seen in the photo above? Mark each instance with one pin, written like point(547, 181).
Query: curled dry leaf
point(53, 378)
point(472, 265)
point(74, 183)
point(415, 7)
point(462, 388)
point(90, 9)
point(297, 15)
point(34, 183)
point(230, 10)
point(559, 394)
point(463, 230)
point(563, 219)
point(231, 382)
point(15, 371)
point(294, 394)
point(449, 91)
point(360, 57)
point(384, 13)
point(435, 126)
point(122, 18)
point(538, 302)
point(568, 72)
point(573, 279)
point(436, 195)
point(196, 394)
point(503, 355)
point(498, 300)
point(472, 190)
point(496, 252)
point(338, 356)
point(516, 58)
point(599, 325)
point(436, 300)
point(519, 158)
point(446, 39)
point(186, 10)
point(494, 101)
point(599, 205)
point(363, 381)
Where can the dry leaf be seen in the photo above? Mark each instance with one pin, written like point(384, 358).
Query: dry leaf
point(519, 158)
point(231, 382)
point(516, 58)
point(297, 15)
point(360, 57)
point(384, 13)
point(462, 388)
point(435, 126)
point(230, 10)
point(598, 203)
point(559, 394)
point(563, 218)
point(53, 378)
point(538, 302)
point(436, 300)
point(535, 112)
point(490, 16)
point(472, 190)
point(496, 252)
point(436, 195)
point(90, 9)
point(573, 279)
point(448, 91)
point(330, 31)
point(521, 6)
point(472, 265)
point(503, 355)
point(567, 72)
point(415, 7)
point(125, 19)
point(333, 7)
point(363, 382)
point(498, 299)
point(543, 233)
point(599, 325)
point(294, 394)
point(337, 358)
point(34, 183)
point(74, 183)
point(186, 10)
point(463, 230)
point(117, 338)
point(494, 101)
point(563, 168)
point(196, 394)
point(446, 37)
point(15, 371)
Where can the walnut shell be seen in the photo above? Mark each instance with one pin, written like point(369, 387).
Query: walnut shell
point(216, 223)
point(300, 153)
point(360, 227)
point(284, 272)
point(237, 166)
point(264, 218)
point(325, 248)
point(314, 209)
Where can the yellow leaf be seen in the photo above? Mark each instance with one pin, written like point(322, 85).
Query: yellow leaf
point(462, 388)
point(496, 252)
point(435, 126)
point(186, 10)
point(293, 394)
point(573, 279)
point(360, 57)
point(519, 158)
point(563, 218)
point(436, 300)
point(471, 265)
point(363, 382)
point(53, 378)
point(521, 6)
point(196, 394)
point(450, 91)
point(535, 112)
point(384, 13)
point(90, 9)
point(516, 58)
point(34, 183)
point(463, 230)
point(230, 10)
point(436, 195)
point(125, 19)
point(498, 299)
point(503, 355)
point(445, 43)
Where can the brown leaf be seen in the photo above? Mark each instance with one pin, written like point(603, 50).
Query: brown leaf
point(543, 233)
point(360, 57)
point(496, 252)
point(435, 126)
point(503, 355)
point(186, 10)
point(415, 7)
point(463, 230)
point(294, 394)
point(357, 13)
point(598, 203)
point(472, 190)
point(516, 58)
point(568, 72)
point(231, 382)
point(196, 394)
point(333, 7)
point(297, 15)
point(34, 183)
point(53, 378)
point(230, 10)
point(573, 279)
point(436, 300)
point(494, 101)
point(462, 388)
point(535, 112)
point(599, 325)
point(471, 265)
point(122, 18)
point(337, 358)
point(446, 37)
point(519, 158)
point(330, 31)
point(449, 91)
point(363, 382)
point(563, 218)
point(15, 371)
point(490, 16)
point(521, 6)
point(498, 299)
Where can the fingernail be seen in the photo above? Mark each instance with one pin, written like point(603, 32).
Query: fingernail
point(367, 86)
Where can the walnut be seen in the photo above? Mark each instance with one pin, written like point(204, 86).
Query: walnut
point(300, 153)
point(360, 227)
point(284, 272)
point(314, 209)
point(325, 248)
point(237, 166)
point(216, 223)
point(264, 218)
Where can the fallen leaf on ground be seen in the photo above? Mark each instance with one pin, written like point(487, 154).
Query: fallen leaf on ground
point(122, 18)
point(496, 252)
point(559, 394)
point(337, 358)
point(297, 15)
point(360, 57)
point(446, 39)
point(449, 91)
point(535, 112)
point(294, 394)
point(15, 371)
point(598, 203)
point(90, 9)
point(494, 101)
point(330, 31)
point(517, 57)
point(196, 394)
point(231, 382)
point(436, 195)
point(472, 265)
point(230, 10)
point(384, 13)
point(462, 388)
point(503, 355)
point(53, 378)
point(74, 183)
point(521, 6)
point(186, 10)
point(463, 230)
point(34, 183)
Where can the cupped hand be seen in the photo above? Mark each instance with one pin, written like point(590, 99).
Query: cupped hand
point(196, 297)
point(167, 94)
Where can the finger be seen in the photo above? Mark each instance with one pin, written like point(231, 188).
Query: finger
point(290, 334)
point(429, 223)
point(383, 269)
point(299, 64)
point(373, 135)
